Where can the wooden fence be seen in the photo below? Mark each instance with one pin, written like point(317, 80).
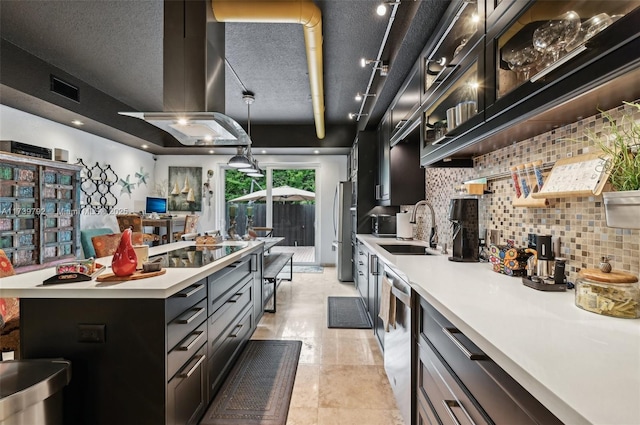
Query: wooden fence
point(295, 222)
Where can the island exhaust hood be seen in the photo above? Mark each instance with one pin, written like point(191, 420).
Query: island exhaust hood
point(193, 79)
point(194, 64)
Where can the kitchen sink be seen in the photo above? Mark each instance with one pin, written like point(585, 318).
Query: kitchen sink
point(406, 249)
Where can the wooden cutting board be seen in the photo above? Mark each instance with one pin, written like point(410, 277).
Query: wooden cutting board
point(110, 277)
point(614, 277)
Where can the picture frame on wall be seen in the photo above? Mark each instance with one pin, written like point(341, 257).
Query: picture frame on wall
point(185, 189)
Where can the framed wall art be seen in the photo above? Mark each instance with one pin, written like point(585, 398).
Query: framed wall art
point(185, 189)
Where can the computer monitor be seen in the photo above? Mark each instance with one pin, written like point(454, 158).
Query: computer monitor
point(156, 205)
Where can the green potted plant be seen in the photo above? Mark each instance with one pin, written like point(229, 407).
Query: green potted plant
point(620, 142)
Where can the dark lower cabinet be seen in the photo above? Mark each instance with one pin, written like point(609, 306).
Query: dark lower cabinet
point(457, 383)
point(145, 361)
point(187, 391)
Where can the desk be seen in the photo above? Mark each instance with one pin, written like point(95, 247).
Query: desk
point(167, 223)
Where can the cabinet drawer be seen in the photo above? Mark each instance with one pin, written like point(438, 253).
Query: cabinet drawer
point(186, 348)
point(500, 396)
point(184, 324)
point(227, 351)
point(189, 296)
point(220, 283)
point(229, 311)
point(187, 395)
point(446, 399)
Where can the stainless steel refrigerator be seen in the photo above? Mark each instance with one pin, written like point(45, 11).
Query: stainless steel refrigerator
point(342, 231)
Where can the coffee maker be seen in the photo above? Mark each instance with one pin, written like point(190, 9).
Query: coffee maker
point(463, 215)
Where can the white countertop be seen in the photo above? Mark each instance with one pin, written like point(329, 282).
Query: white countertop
point(29, 285)
point(585, 368)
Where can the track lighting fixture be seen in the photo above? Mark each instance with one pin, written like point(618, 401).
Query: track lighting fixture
point(383, 66)
point(359, 96)
point(381, 10)
point(356, 116)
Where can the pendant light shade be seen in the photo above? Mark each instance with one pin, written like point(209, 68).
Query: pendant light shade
point(258, 171)
point(239, 160)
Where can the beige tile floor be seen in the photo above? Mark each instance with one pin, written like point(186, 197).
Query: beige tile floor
point(340, 378)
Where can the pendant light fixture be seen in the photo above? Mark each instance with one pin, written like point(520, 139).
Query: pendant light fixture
point(250, 165)
point(239, 160)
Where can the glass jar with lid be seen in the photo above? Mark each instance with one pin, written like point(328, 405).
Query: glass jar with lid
point(614, 294)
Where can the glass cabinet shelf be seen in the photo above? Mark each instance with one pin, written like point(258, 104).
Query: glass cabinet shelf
point(457, 104)
point(547, 34)
point(455, 41)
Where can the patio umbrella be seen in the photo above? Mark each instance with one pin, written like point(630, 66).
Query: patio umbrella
point(281, 193)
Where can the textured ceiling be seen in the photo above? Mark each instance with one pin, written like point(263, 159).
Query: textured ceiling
point(116, 47)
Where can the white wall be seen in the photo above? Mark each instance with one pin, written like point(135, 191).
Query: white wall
point(26, 128)
point(330, 169)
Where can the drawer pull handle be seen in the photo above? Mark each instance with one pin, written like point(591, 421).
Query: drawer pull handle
point(450, 404)
point(471, 356)
point(235, 298)
point(198, 359)
point(190, 319)
point(190, 293)
point(189, 346)
point(237, 331)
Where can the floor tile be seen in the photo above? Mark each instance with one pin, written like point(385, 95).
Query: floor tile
point(340, 377)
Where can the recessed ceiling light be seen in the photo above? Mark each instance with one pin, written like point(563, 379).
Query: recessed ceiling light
point(316, 151)
point(211, 151)
point(263, 151)
point(381, 10)
point(77, 122)
point(144, 146)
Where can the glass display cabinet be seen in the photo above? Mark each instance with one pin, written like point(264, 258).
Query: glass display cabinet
point(546, 35)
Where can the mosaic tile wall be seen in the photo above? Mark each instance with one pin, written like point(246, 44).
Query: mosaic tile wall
point(579, 222)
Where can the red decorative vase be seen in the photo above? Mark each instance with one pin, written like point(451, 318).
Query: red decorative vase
point(124, 260)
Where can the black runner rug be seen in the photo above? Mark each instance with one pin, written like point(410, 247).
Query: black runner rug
point(259, 387)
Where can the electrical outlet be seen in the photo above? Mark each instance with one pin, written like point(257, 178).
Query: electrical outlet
point(91, 333)
point(494, 237)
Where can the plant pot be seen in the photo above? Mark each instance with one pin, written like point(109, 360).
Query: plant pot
point(622, 209)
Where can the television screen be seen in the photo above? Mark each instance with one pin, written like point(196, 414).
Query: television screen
point(156, 205)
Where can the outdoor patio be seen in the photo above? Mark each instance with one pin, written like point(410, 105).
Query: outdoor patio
point(301, 254)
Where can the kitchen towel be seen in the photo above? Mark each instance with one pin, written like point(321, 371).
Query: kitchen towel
point(387, 305)
point(404, 229)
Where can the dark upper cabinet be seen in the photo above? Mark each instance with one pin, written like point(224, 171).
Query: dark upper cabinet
point(400, 177)
point(364, 178)
point(503, 68)
point(383, 178)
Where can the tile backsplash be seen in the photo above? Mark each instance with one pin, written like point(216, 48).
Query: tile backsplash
point(579, 222)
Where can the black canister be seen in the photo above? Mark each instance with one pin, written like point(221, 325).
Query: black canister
point(558, 270)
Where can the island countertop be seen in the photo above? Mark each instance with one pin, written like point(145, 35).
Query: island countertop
point(585, 368)
point(29, 285)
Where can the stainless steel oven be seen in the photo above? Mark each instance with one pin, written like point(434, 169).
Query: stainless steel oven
point(398, 349)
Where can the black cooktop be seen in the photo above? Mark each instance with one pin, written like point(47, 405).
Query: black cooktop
point(195, 256)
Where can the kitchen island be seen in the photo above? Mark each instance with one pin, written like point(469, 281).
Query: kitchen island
point(153, 350)
point(582, 367)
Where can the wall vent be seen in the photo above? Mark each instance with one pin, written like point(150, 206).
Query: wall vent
point(65, 89)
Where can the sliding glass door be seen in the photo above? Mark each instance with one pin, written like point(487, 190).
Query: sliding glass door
point(281, 205)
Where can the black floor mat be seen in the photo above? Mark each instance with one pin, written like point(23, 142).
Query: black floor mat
point(259, 387)
point(348, 313)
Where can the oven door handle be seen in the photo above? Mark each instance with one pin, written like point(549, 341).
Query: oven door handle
point(402, 296)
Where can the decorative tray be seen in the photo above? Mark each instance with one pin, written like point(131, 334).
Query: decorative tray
point(139, 274)
point(67, 275)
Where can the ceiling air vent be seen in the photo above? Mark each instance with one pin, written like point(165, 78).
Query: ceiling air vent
point(65, 89)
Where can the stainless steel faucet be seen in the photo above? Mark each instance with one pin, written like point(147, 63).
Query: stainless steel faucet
point(433, 237)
